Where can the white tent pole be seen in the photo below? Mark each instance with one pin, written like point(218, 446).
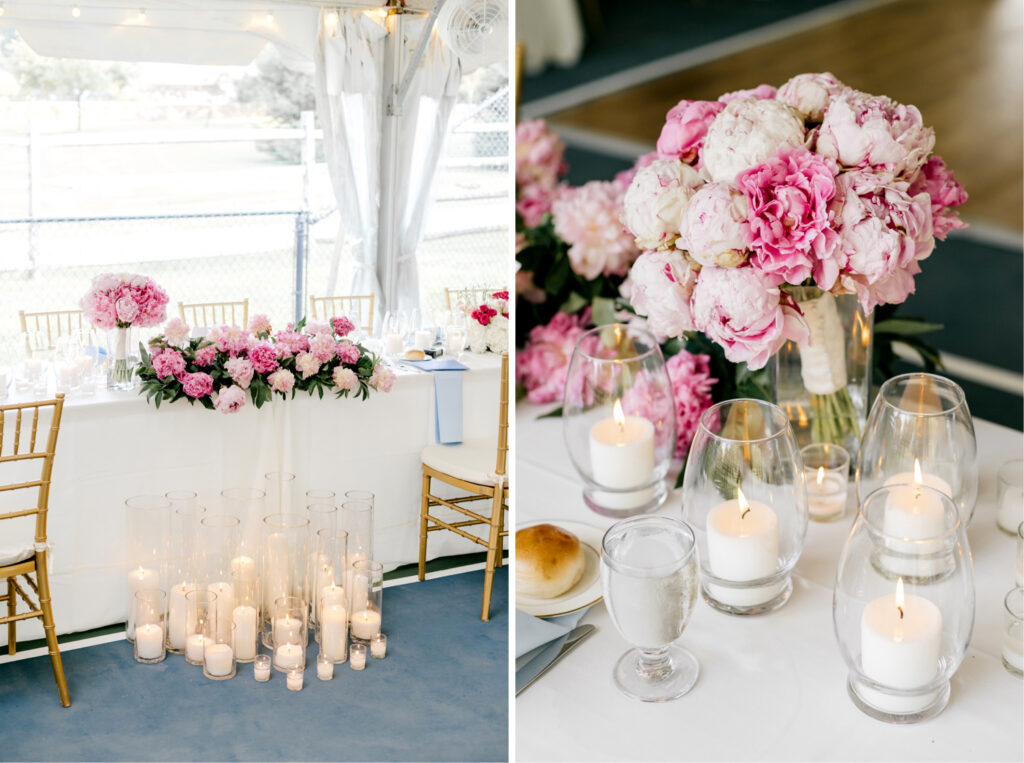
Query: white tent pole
point(395, 105)
point(386, 223)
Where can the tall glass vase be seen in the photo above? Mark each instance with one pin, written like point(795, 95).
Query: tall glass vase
point(823, 384)
point(122, 357)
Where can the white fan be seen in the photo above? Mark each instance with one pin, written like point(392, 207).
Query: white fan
point(477, 30)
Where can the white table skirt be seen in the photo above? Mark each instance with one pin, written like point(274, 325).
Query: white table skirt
point(116, 445)
point(771, 687)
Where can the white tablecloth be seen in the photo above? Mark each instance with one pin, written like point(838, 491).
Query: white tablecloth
point(771, 687)
point(116, 445)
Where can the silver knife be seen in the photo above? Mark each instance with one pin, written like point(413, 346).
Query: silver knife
point(576, 637)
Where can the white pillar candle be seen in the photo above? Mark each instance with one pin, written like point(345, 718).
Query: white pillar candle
point(218, 659)
point(288, 656)
point(914, 515)
point(357, 657)
point(365, 624)
point(288, 630)
point(826, 493)
point(324, 670)
point(743, 545)
point(393, 344)
point(333, 631)
point(177, 626)
point(899, 648)
point(243, 569)
point(225, 606)
point(294, 680)
point(621, 457)
point(379, 646)
point(194, 648)
point(244, 618)
point(149, 641)
point(332, 594)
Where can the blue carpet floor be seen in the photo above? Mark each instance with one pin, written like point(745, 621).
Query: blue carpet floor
point(441, 694)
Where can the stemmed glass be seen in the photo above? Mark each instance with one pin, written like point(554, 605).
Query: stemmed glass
point(649, 574)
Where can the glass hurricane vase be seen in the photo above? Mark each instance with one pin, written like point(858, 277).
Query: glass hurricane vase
point(122, 357)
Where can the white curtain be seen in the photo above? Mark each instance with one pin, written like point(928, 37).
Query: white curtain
point(382, 166)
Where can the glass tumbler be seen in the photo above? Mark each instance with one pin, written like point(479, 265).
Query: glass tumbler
point(649, 574)
point(150, 617)
point(618, 418)
point(1010, 495)
point(1013, 631)
point(827, 477)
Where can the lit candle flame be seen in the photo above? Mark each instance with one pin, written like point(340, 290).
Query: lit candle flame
point(802, 416)
point(899, 596)
point(618, 415)
point(744, 505)
point(917, 472)
point(821, 475)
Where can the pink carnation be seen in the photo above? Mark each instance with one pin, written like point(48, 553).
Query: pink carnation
point(382, 379)
point(205, 356)
point(307, 364)
point(587, 218)
point(282, 380)
point(541, 367)
point(342, 326)
point(761, 92)
point(740, 309)
point(230, 399)
point(539, 161)
point(168, 363)
point(790, 219)
point(945, 193)
point(259, 324)
point(197, 385)
point(289, 343)
point(263, 357)
point(345, 378)
point(240, 370)
point(686, 124)
point(322, 346)
point(348, 353)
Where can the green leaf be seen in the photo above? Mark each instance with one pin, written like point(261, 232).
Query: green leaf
point(906, 326)
point(557, 278)
point(573, 304)
point(553, 414)
point(603, 311)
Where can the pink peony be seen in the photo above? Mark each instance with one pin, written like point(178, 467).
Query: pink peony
point(168, 363)
point(747, 133)
point(541, 366)
point(587, 218)
point(660, 286)
point(739, 309)
point(127, 310)
point(527, 289)
point(289, 343)
point(691, 389)
point(348, 353)
point(686, 124)
point(761, 92)
point(259, 324)
point(322, 346)
point(240, 370)
point(715, 229)
point(345, 378)
point(307, 364)
point(811, 94)
point(197, 385)
point(539, 161)
point(382, 379)
point(231, 340)
point(875, 132)
point(230, 399)
point(342, 326)
point(533, 207)
point(945, 193)
point(205, 356)
point(624, 178)
point(790, 217)
point(176, 332)
point(656, 201)
point(263, 357)
point(282, 380)
point(312, 328)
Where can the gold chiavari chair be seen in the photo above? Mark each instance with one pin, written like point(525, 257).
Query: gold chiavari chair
point(470, 298)
point(53, 324)
point(468, 467)
point(32, 559)
point(209, 314)
point(321, 308)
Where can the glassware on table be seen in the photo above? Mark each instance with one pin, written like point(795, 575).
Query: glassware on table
point(290, 633)
point(649, 574)
point(1020, 554)
point(148, 533)
point(149, 615)
point(360, 495)
point(1013, 631)
point(393, 333)
point(66, 369)
point(367, 600)
point(455, 338)
point(320, 496)
point(903, 604)
point(920, 431)
point(618, 419)
point(202, 618)
point(1010, 495)
point(35, 369)
point(6, 380)
point(282, 492)
point(284, 553)
point(744, 495)
point(183, 567)
point(827, 477)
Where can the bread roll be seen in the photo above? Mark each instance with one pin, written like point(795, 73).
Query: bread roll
point(414, 355)
point(549, 561)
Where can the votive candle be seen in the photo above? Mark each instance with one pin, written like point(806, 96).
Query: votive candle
point(294, 680)
point(261, 668)
point(379, 646)
point(357, 656)
point(324, 668)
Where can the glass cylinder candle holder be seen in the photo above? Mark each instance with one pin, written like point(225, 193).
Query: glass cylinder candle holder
point(1010, 495)
point(744, 496)
point(324, 668)
point(357, 520)
point(150, 618)
point(367, 600)
point(320, 496)
point(357, 660)
point(282, 492)
point(903, 604)
point(379, 646)
point(290, 633)
point(148, 538)
point(183, 569)
point(366, 496)
point(202, 616)
point(245, 616)
point(284, 553)
point(261, 667)
point(827, 477)
point(330, 596)
point(1013, 631)
point(920, 431)
point(218, 544)
point(249, 505)
point(618, 418)
point(219, 652)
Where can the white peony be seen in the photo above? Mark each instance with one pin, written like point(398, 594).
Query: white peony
point(811, 94)
point(715, 230)
point(660, 285)
point(748, 132)
point(656, 201)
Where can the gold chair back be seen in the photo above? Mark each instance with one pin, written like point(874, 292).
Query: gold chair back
point(470, 298)
point(321, 308)
point(209, 314)
point(22, 442)
point(500, 467)
point(53, 324)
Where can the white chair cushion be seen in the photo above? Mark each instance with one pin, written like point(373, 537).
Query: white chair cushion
point(13, 554)
point(472, 460)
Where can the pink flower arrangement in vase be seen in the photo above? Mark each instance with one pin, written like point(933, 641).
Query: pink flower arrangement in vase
point(119, 302)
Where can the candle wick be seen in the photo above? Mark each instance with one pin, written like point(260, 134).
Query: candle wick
point(901, 612)
point(745, 512)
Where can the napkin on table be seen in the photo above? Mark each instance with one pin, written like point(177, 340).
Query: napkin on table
point(447, 397)
point(539, 641)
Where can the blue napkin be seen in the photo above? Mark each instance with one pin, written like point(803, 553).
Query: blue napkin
point(448, 407)
point(437, 364)
point(538, 642)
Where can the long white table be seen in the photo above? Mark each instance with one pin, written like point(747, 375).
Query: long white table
point(771, 687)
point(115, 445)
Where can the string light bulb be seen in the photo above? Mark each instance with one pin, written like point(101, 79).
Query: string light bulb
point(76, 11)
point(270, 17)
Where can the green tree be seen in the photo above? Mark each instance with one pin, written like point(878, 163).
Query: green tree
point(282, 93)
